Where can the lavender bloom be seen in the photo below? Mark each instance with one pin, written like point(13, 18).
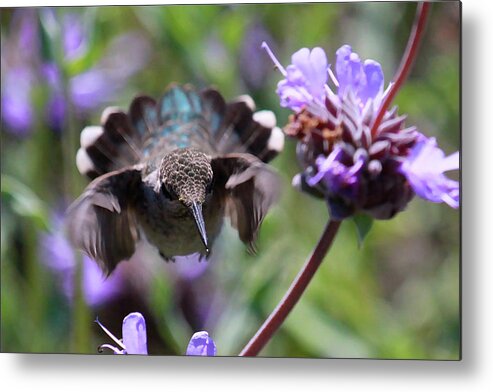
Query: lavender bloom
point(17, 112)
point(201, 345)
point(364, 80)
point(353, 169)
point(17, 73)
point(125, 55)
point(134, 336)
point(339, 178)
point(424, 170)
point(305, 78)
point(74, 37)
point(134, 339)
point(58, 255)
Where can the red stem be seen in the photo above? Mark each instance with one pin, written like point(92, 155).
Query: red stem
point(406, 62)
point(294, 293)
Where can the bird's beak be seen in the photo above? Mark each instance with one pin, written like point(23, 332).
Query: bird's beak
point(196, 209)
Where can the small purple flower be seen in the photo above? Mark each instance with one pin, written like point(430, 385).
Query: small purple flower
point(338, 178)
point(201, 344)
point(424, 170)
point(355, 168)
point(17, 112)
point(134, 336)
point(124, 56)
point(305, 78)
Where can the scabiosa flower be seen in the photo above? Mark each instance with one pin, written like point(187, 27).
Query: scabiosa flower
point(201, 344)
point(134, 336)
point(354, 169)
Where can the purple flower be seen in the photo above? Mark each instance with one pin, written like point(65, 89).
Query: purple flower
point(134, 339)
point(364, 80)
point(201, 344)
point(346, 162)
point(305, 78)
point(124, 56)
point(58, 255)
point(134, 336)
point(17, 112)
point(338, 178)
point(424, 168)
point(74, 37)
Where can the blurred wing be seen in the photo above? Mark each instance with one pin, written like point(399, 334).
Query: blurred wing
point(101, 221)
point(236, 128)
point(250, 188)
point(113, 145)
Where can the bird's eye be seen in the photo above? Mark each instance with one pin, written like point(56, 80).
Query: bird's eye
point(168, 193)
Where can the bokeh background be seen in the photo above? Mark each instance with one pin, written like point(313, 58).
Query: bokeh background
point(395, 296)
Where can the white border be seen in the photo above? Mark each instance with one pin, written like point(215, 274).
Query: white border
point(473, 373)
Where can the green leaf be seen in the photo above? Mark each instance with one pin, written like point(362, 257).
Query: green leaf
point(24, 201)
point(363, 224)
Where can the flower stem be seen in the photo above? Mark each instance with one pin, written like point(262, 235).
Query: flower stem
point(406, 62)
point(294, 293)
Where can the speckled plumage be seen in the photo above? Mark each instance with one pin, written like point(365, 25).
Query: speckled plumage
point(187, 173)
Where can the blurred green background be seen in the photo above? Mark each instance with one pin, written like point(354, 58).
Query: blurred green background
point(396, 296)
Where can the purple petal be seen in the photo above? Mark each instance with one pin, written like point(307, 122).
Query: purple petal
point(364, 81)
point(51, 73)
point(337, 177)
point(201, 345)
point(56, 111)
point(348, 69)
point(17, 111)
point(126, 54)
point(90, 89)
point(313, 67)
point(28, 38)
point(305, 79)
point(74, 37)
point(134, 334)
point(98, 289)
point(424, 168)
point(373, 88)
point(188, 267)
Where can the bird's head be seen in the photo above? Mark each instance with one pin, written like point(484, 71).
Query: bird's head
point(186, 175)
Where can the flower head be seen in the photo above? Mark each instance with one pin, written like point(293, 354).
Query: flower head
point(201, 344)
point(354, 169)
point(134, 336)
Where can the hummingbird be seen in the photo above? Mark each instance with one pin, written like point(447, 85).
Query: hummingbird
point(169, 171)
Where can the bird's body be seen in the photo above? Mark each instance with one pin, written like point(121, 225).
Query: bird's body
point(165, 223)
point(169, 172)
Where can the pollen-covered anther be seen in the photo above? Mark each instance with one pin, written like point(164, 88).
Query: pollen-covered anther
point(332, 135)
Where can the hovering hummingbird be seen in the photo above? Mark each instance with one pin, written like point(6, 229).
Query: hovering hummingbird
point(168, 172)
